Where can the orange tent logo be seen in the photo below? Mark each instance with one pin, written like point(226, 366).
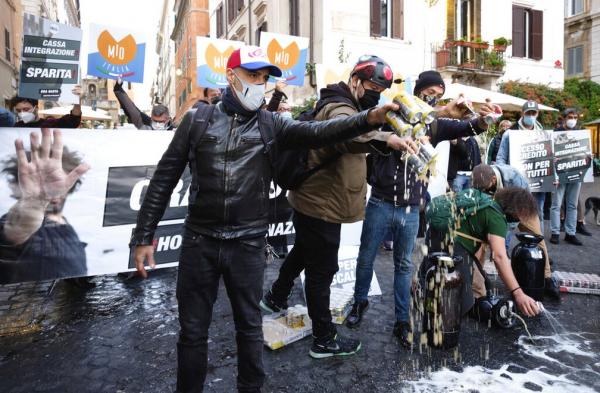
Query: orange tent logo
point(217, 60)
point(117, 53)
point(283, 58)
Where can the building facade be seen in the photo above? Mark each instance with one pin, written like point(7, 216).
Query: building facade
point(97, 93)
point(411, 34)
point(163, 88)
point(191, 21)
point(582, 39)
point(11, 27)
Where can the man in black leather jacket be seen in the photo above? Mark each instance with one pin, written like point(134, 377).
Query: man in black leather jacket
point(228, 212)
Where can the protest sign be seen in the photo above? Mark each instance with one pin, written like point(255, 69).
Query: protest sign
point(572, 154)
point(288, 53)
point(116, 53)
point(103, 210)
point(531, 153)
point(49, 60)
point(211, 61)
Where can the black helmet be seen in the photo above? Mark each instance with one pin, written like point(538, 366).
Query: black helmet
point(374, 69)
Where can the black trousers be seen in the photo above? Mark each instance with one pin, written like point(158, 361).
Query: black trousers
point(202, 263)
point(316, 252)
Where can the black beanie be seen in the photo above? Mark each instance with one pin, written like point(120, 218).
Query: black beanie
point(428, 78)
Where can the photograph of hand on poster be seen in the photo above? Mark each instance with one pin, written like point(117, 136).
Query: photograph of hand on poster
point(287, 52)
point(49, 60)
point(531, 153)
point(116, 52)
point(86, 231)
point(572, 155)
point(211, 61)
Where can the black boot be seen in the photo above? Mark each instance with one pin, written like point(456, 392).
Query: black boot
point(356, 314)
point(551, 289)
point(554, 239)
point(403, 331)
point(581, 229)
point(573, 240)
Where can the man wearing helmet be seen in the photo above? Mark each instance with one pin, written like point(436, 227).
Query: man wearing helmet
point(332, 196)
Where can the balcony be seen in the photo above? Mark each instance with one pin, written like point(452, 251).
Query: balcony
point(470, 59)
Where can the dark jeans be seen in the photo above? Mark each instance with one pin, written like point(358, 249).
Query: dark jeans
point(315, 251)
point(203, 261)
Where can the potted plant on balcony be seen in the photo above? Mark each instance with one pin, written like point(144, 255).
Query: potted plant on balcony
point(494, 61)
point(442, 57)
point(501, 43)
point(468, 63)
point(480, 44)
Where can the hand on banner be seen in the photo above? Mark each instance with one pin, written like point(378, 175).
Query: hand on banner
point(280, 85)
point(376, 116)
point(402, 144)
point(76, 111)
point(43, 178)
point(141, 254)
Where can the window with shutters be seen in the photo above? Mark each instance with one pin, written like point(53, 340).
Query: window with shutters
point(231, 10)
point(527, 33)
point(294, 17)
point(387, 18)
point(574, 7)
point(575, 60)
point(7, 44)
point(220, 29)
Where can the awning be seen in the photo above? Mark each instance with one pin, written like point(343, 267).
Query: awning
point(87, 112)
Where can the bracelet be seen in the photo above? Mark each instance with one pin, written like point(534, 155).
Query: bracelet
point(511, 292)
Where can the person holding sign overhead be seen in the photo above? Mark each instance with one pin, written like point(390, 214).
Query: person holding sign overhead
point(26, 110)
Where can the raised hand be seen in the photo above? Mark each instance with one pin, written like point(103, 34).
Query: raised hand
point(42, 178)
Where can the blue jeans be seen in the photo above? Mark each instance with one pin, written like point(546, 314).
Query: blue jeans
point(540, 197)
point(569, 191)
point(461, 182)
point(403, 222)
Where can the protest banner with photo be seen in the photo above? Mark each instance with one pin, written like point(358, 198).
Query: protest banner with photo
point(49, 60)
point(531, 153)
point(211, 61)
point(103, 210)
point(572, 154)
point(287, 52)
point(116, 52)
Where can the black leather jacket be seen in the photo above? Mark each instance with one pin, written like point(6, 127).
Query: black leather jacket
point(232, 171)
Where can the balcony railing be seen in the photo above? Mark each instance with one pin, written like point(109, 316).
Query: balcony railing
point(467, 56)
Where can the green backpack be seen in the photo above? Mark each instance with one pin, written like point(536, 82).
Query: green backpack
point(445, 212)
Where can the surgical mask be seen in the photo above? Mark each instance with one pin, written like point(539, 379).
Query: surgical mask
point(529, 120)
point(430, 100)
point(571, 123)
point(157, 125)
point(26, 117)
point(252, 96)
point(369, 99)
point(286, 115)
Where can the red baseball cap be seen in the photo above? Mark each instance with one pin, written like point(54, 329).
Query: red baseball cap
point(252, 58)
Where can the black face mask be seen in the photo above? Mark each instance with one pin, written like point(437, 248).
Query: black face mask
point(430, 100)
point(369, 99)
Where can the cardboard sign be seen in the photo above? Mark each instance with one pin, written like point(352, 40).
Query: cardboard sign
point(49, 60)
point(103, 210)
point(532, 154)
point(116, 53)
point(211, 61)
point(287, 52)
point(573, 155)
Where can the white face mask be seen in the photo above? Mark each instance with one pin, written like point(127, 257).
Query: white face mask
point(26, 117)
point(156, 125)
point(252, 96)
point(286, 115)
point(571, 123)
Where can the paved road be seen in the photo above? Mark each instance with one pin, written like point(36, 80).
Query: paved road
point(121, 335)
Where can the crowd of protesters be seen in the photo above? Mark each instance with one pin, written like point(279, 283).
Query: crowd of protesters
point(232, 166)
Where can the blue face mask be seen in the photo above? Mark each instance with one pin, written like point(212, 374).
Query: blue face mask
point(529, 120)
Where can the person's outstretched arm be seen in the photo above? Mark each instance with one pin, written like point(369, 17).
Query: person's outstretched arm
point(139, 119)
